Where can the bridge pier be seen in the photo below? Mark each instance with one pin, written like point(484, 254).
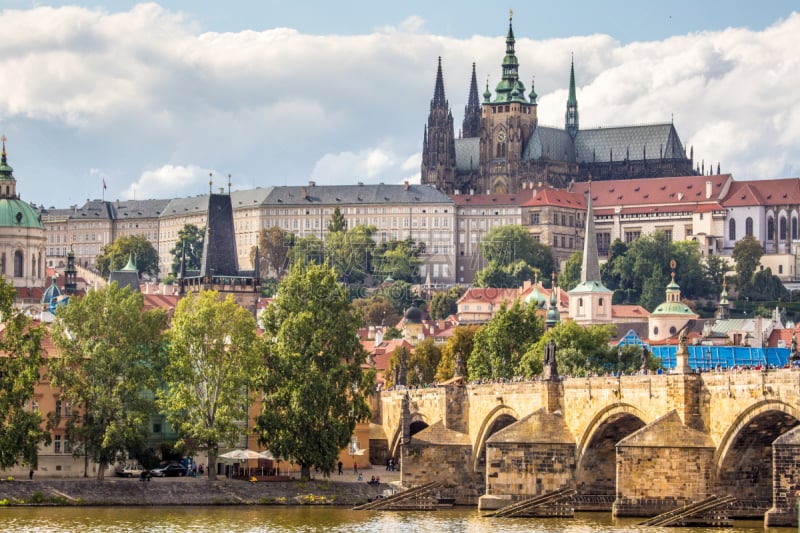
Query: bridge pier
point(785, 480)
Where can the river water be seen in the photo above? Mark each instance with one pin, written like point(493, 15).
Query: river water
point(268, 519)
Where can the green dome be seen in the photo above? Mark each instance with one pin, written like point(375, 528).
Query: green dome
point(673, 308)
point(18, 214)
point(536, 298)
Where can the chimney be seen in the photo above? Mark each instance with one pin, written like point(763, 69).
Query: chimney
point(680, 196)
point(312, 183)
point(405, 185)
point(708, 189)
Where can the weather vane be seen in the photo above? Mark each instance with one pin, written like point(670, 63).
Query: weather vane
point(510, 14)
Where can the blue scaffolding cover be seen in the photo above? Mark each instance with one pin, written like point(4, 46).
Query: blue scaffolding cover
point(709, 357)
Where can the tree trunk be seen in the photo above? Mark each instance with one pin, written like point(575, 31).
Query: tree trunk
point(305, 472)
point(101, 470)
point(212, 464)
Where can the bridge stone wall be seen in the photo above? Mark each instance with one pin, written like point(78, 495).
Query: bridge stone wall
point(740, 413)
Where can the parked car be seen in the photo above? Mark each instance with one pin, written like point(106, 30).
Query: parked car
point(171, 470)
point(129, 470)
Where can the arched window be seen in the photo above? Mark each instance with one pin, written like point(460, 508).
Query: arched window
point(580, 302)
point(732, 230)
point(748, 227)
point(794, 228)
point(770, 229)
point(18, 264)
point(782, 234)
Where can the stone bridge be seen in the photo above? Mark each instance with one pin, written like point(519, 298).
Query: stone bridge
point(639, 445)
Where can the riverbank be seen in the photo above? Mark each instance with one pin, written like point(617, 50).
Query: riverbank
point(187, 491)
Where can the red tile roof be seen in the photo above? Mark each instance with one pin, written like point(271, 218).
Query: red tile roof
point(763, 192)
point(556, 197)
point(683, 190)
point(491, 199)
point(629, 311)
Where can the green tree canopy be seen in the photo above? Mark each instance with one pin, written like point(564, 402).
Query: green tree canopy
point(571, 274)
point(501, 343)
point(314, 388)
point(306, 250)
point(579, 349)
point(111, 351)
point(115, 256)
point(456, 352)
point(273, 250)
point(508, 244)
point(214, 358)
point(338, 224)
point(421, 364)
point(190, 239)
point(20, 344)
point(765, 287)
point(444, 303)
point(398, 260)
point(377, 309)
point(746, 254)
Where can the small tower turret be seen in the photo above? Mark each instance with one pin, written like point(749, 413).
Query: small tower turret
point(571, 116)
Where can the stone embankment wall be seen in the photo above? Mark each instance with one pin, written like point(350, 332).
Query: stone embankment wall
point(185, 491)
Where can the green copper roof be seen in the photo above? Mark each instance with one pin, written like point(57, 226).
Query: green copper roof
point(590, 286)
point(510, 89)
point(6, 172)
point(130, 267)
point(16, 213)
point(673, 308)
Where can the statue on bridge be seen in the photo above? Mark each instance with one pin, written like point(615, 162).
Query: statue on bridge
point(549, 364)
point(401, 379)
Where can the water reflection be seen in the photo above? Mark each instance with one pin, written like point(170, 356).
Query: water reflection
point(267, 519)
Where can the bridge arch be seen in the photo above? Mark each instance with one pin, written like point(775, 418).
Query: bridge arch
point(419, 421)
point(595, 473)
point(498, 418)
point(743, 459)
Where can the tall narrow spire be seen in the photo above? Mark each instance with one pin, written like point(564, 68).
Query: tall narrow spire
point(510, 88)
point(571, 116)
point(472, 112)
point(438, 92)
point(590, 267)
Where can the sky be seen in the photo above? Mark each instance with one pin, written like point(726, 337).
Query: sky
point(151, 98)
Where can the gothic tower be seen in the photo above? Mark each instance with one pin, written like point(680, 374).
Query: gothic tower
point(438, 144)
point(571, 116)
point(472, 111)
point(508, 123)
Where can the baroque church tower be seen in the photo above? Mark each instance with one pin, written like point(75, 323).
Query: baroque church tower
point(438, 144)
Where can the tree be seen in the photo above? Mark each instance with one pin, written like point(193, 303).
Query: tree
point(765, 287)
point(350, 253)
point(512, 243)
point(190, 242)
point(715, 268)
point(746, 254)
point(500, 343)
point(273, 250)
point(214, 357)
point(338, 224)
point(377, 310)
point(580, 350)
point(398, 260)
point(306, 250)
point(654, 289)
point(115, 256)
point(456, 352)
point(444, 303)
point(421, 363)
point(20, 345)
point(314, 388)
point(110, 353)
point(571, 273)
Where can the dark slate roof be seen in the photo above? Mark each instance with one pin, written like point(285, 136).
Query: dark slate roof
point(631, 141)
point(191, 205)
point(550, 143)
point(131, 209)
point(125, 278)
point(250, 197)
point(356, 194)
point(93, 210)
point(468, 154)
point(219, 246)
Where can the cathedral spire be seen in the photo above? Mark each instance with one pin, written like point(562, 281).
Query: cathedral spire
point(438, 91)
point(571, 117)
point(590, 267)
point(472, 112)
point(510, 88)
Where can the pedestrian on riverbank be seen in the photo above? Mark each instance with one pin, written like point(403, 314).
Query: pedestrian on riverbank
point(355, 468)
point(340, 465)
point(30, 474)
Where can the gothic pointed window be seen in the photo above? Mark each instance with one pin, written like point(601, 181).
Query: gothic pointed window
point(782, 235)
point(732, 230)
point(794, 228)
point(770, 228)
point(748, 227)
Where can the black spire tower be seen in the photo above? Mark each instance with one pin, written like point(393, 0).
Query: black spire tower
point(472, 111)
point(438, 144)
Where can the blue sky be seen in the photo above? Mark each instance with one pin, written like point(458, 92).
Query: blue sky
point(152, 97)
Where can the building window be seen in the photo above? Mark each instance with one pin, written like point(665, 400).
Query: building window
point(67, 445)
point(770, 228)
point(534, 218)
point(603, 243)
point(732, 230)
point(57, 444)
point(18, 262)
point(782, 234)
point(748, 227)
point(780, 269)
point(631, 236)
point(794, 228)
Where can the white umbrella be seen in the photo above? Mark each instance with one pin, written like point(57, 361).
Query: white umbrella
point(242, 455)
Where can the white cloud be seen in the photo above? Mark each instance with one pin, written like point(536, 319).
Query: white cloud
point(141, 92)
point(170, 181)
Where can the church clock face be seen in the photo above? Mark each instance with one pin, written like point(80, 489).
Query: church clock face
point(501, 136)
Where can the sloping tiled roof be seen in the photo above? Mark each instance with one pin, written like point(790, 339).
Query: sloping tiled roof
point(680, 190)
point(489, 295)
point(629, 311)
point(635, 143)
point(550, 143)
point(131, 209)
point(489, 200)
point(356, 194)
point(556, 197)
point(763, 193)
point(468, 154)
